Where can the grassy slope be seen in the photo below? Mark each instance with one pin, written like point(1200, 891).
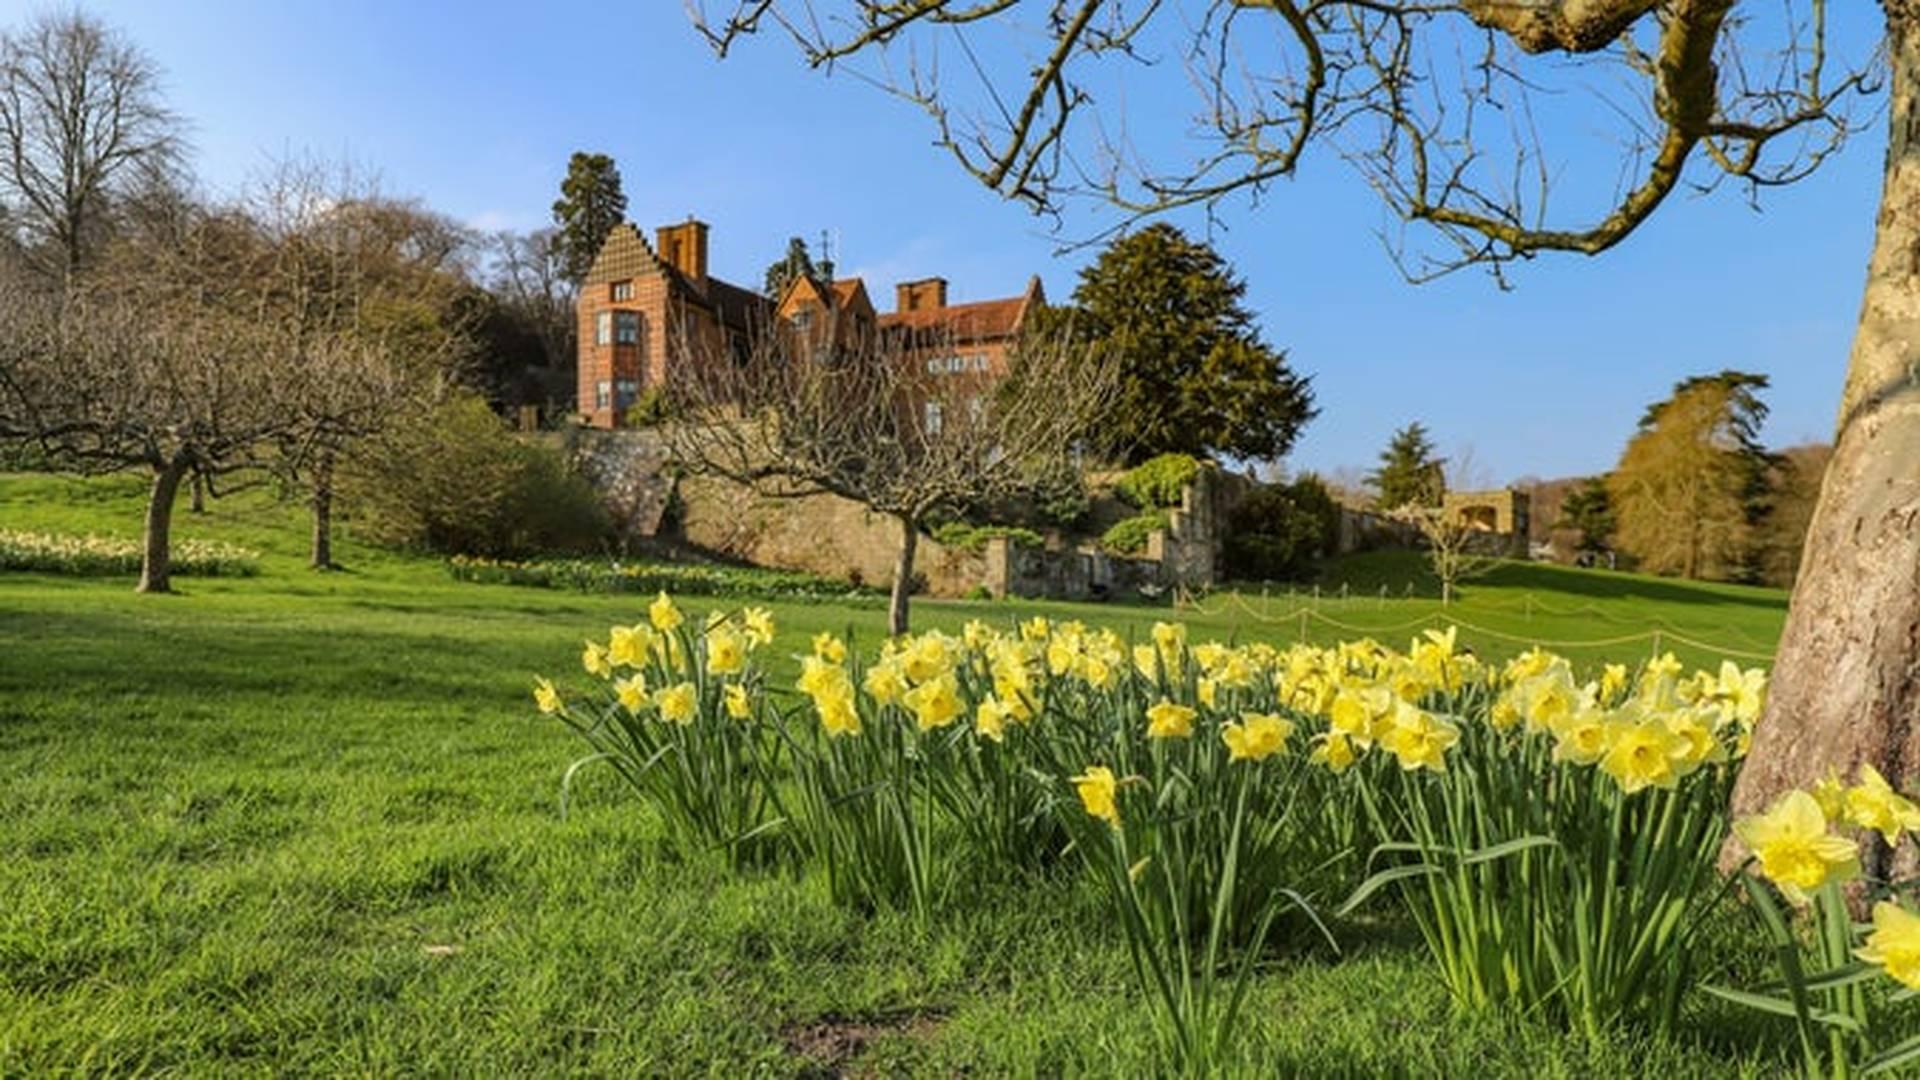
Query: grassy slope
point(237, 827)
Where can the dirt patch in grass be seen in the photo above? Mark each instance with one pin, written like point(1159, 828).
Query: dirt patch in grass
point(831, 1043)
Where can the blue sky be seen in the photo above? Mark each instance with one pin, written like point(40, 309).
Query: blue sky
point(474, 108)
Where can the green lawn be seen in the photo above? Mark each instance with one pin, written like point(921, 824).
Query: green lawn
point(309, 823)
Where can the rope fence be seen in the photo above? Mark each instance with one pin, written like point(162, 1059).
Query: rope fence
point(1303, 615)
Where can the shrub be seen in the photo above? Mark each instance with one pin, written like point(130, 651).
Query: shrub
point(690, 579)
point(459, 481)
point(1278, 530)
point(1129, 536)
point(650, 409)
point(104, 556)
point(965, 537)
point(1157, 481)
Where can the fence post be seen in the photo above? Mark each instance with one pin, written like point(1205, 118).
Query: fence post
point(1303, 626)
point(1656, 643)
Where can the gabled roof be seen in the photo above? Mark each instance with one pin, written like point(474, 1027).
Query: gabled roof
point(977, 321)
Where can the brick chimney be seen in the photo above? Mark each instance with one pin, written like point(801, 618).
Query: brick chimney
point(927, 294)
point(684, 247)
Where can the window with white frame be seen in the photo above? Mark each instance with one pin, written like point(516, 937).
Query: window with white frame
point(933, 418)
point(603, 328)
point(603, 395)
point(625, 393)
point(626, 328)
point(622, 290)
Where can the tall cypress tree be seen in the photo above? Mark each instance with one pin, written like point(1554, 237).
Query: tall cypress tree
point(590, 205)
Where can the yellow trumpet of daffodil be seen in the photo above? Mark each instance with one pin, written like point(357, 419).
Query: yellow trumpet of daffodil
point(1795, 850)
point(1894, 944)
point(1418, 739)
point(1098, 791)
point(594, 659)
point(935, 703)
point(726, 652)
point(679, 703)
point(1166, 720)
point(1257, 736)
point(758, 624)
point(546, 697)
point(739, 705)
point(631, 692)
point(1873, 804)
point(664, 616)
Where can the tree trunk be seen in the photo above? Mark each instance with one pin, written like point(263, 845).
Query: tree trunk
point(157, 560)
point(199, 493)
point(1846, 687)
point(902, 576)
point(323, 511)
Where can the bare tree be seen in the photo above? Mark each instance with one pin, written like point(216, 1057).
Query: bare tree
point(345, 261)
point(1433, 101)
point(165, 360)
point(82, 124)
point(529, 274)
point(871, 421)
point(1456, 550)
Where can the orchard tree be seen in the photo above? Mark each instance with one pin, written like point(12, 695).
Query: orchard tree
point(1410, 473)
point(590, 205)
point(1432, 102)
point(83, 126)
point(1195, 376)
point(866, 421)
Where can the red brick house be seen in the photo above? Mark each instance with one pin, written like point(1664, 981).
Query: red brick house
point(638, 297)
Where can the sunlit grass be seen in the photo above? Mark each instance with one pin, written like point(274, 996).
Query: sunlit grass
point(309, 823)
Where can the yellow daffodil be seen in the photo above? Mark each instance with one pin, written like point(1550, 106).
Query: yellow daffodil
point(629, 645)
point(739, 705)
point(1256, 736)
point(664, 616)
point(935, 703)
point(546, 697)
point(1098, 792)
point(884, 683)
point(1613, 682)
point(817, 676)
point(1583, 738)
point(1146, 661)
point(1894, 944)
point(1359, 713)
point(1795, 850)
point(838, 715)
point(1035, 629)
point(1165, 720)
point(1641, 754)
point(758, 623)
point(631, 692)
point(1873, 804)
point(1170, 638)
point(1831, 793)
point(594, 659)
point(990, 719)
point(829, 648)
point(678, 703)
point(1208, 691)
point(1334, 751)
point(726, 652)
point(928, 657)
point(1418, 739)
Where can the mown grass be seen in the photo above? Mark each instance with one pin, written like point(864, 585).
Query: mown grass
point(309, 823)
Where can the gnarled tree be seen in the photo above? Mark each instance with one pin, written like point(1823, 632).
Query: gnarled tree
point(1433, 99)
point(871, 420)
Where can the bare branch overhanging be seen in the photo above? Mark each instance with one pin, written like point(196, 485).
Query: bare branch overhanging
point(1430, 99)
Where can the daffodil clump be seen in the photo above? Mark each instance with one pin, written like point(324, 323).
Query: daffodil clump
point(675, 707)
point(1552, 836)
point(1806, 848)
